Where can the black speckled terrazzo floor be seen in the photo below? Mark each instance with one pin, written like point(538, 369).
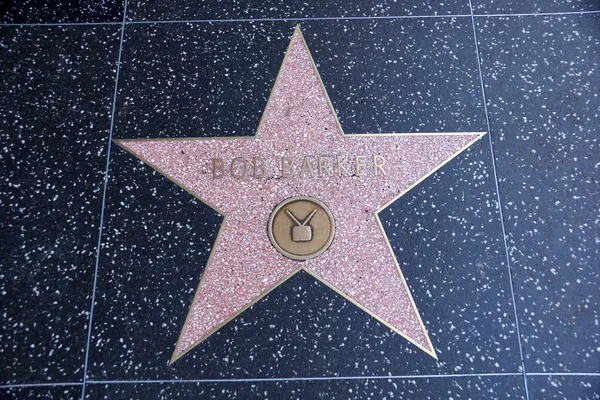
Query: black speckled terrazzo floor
point(500, 247)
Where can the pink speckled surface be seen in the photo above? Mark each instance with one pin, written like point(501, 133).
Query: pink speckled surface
point(299, 122)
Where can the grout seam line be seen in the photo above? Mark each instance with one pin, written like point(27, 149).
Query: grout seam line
point(99, 245)
point(292, 379)
point(378, 17)
point(491, 146)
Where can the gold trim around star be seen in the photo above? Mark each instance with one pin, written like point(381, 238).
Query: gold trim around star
point(122, 143)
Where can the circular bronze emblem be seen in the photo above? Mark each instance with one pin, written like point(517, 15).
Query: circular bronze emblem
point(301, 227)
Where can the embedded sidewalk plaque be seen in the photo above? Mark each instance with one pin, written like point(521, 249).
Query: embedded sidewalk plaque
point(301, 195)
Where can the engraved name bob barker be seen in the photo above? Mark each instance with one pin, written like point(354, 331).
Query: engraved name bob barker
point(318, 166)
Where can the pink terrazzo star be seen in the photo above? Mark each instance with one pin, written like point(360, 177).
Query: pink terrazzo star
point(300, 122)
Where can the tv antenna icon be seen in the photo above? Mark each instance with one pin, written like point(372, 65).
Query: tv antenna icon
point(301, 232)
